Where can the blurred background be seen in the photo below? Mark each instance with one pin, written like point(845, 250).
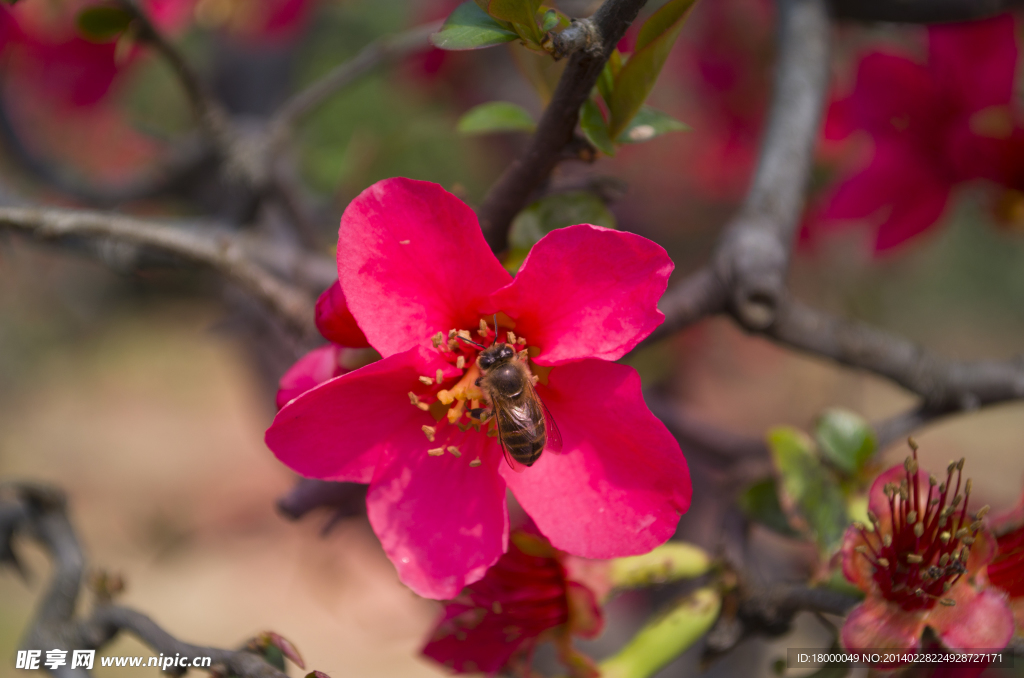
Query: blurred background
point(143, 390)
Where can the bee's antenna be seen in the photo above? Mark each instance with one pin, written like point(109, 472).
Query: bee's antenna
point(495, 330)
point(470, 341)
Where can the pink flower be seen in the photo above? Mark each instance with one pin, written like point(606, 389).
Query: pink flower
point(923, 565)
point(934, 127)
point(415, 270)
point(528, 597)
point(1006, 571)
point(347, 351)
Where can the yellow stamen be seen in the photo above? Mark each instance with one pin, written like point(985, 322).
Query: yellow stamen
point(427, 380)
point(454, 450)
point(437, 339)
point(440, 375)
point(510, 337)
point(460, 362)
point(429, 431)
point(445, 396)
point(436, 452)
point(455, 412)
point(483, 328)
point(475, 463)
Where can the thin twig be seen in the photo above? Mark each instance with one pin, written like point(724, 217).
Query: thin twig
point(529, 171)
point(224, 252)
point(376, 53)
point(40, 512)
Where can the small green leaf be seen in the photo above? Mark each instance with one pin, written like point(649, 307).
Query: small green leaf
point(550, 21)
point(594, 128)
point(102, 23)
point(636, 79)
point(649, 123)
point(523, 12)
point(495, 116)
point(808, 487)
point(469, 27)
point(845, 439)
point(545, 215)
point(760, 503)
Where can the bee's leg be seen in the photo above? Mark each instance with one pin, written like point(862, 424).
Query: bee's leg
point(480, 413)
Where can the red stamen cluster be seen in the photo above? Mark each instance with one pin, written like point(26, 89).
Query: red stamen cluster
point(923, 550)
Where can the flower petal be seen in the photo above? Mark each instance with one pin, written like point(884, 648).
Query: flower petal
point(337, 430)
point(878, 624)
point(979, 620)
point(856, 568)
point(413, 262)
point(335, 321)
point(310, 370)
point(621, 482)
point(586, 292)
point(441, 521)
point(975, 61)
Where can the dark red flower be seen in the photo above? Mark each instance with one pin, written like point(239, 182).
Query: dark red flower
point(527, 597)
point(922, 565)
point(934, 126)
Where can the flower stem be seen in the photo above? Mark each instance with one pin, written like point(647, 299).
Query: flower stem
point(668, 562)
point(666, 637)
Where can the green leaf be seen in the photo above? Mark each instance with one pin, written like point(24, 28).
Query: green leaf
point(547, 214)
point(594, 128)
point(807, 486)
point(495, 116)
point(102, 23)
point(760, 503)
point(522, 12)
point(636, 79)
point(649, 123)
point(469, 27)
point(551, 20)
point(845, 439)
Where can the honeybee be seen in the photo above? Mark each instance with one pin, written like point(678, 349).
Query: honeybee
point(525, 427)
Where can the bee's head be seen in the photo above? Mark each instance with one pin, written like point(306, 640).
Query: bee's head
point(494, 354)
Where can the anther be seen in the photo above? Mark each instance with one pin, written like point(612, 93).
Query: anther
point(439, 377)
point(475, 463)
point(968, 540)
point(483, 328)
point(945, 537)
point(521, 341)
point(454, 450)
point(872, 517)
point(510, 337)
point(883, 562)
point(967, 487)
point(950, 467)
point(912, 517)
point(524, 354)
point(861, 549)
point(887, 540)
point(946, 586)
point(427, 380)
point(983, 511)
point(942, 487)
point(465, 335)
point(944, 560)
point(914, 559)
point(436, 452)
point(429, 431)
point(910, 465)
point(445, 396)
point(932, 480)
point(912, 444)
point(460, 362)
point(919, 529)
point(976, 525)
point(451, 334)
point(960, 464)
point(956, 500)
point(948, 602)
point(965, 553)
point(961, 533)
point(437, 339)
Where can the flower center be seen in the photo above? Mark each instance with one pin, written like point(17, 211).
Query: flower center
point(923, 551)
point(451, 394)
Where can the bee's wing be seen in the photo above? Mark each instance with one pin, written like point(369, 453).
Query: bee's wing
point(554, 436)
point(503, 413)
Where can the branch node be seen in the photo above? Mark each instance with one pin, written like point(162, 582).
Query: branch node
point(580, 35)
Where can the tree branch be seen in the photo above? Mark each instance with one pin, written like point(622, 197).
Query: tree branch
point(40, 512)
point(224, 252)
point(920, 11)
point(527, 173)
